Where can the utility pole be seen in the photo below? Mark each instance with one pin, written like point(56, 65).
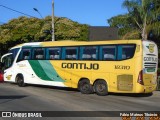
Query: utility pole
point(53, 37)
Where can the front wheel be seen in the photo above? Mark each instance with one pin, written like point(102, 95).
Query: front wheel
point(101, 88)
point(20, 81)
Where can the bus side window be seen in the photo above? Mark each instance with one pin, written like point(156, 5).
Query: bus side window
point(126, 51)
point(53, 53)
point(89, 53)
point(70, 53)
point(25, 54)
point(39, 53)
point(108, 52)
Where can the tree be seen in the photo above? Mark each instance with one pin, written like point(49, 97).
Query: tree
point(141, 21)
point(145, 14)
point(24, 29)
point(126, 26)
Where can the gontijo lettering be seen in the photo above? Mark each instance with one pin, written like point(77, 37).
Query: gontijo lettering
point(153, 59)
point(91, 66)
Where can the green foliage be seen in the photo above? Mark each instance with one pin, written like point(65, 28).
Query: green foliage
point(127, 28)
point(66, 29)
point(24, 29)
point(142, 20)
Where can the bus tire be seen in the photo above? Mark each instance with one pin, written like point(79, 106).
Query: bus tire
point(20, 81)
point(85, 87)
point(101, 88)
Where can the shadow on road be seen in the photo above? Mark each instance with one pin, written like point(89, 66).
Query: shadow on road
point(76, 90)
point(9, 98)
point(58, 88)
point(12, 96)
point(132, 94)
point(113, 94)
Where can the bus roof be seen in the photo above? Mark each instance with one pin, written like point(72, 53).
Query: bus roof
point(74, 43)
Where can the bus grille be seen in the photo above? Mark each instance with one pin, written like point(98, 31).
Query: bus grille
point(125, 82)
point(150, 67)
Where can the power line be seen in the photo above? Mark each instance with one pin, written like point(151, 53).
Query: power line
point(17, 11)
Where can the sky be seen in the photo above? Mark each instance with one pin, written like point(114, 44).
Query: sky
point(91, 12)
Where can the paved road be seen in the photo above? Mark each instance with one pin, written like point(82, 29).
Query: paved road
point(41, 98)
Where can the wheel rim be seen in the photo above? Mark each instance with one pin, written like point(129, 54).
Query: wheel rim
point(101, 87)
point(19, 81)
point(85, 87)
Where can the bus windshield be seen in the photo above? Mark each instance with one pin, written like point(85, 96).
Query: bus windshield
point(14, 52)
point(8, 61)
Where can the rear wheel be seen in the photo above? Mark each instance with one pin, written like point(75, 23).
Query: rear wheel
point(85, 87)
point(20, 81)
point(101, 88)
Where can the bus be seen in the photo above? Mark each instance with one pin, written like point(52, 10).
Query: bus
point(101, 67)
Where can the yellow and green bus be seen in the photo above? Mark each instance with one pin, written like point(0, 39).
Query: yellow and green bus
point(119, 66)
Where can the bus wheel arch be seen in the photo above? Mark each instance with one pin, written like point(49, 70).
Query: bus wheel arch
point(20, 80)
point(84, 86)
point(101, 87)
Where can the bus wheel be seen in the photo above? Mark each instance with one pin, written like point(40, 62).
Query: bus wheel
point(20, 81)
point(85, 87)
point(101, 88)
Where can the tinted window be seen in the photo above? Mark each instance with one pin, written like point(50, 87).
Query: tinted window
point(53, 53)
point(70, 53)
point(39, 53)
point(14, 52)
point(108, 52)
point(25, 54)
point(8, 61)
point(89, 53)
point(125, 51)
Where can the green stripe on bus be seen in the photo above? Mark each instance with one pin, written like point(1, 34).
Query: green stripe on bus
point(37, 68)
point(50, 71)
point(45, 70)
